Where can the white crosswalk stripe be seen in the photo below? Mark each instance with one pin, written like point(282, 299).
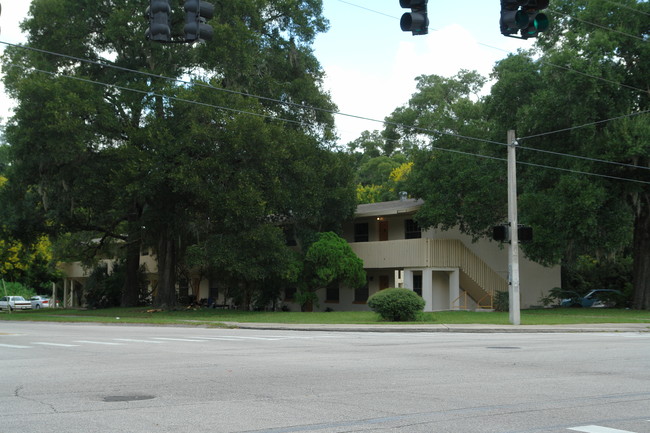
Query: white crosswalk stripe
point(598, 429)
point(133, 340)
point(98, 342)
point(14, 346)
point(161, 340)
point(54, 344)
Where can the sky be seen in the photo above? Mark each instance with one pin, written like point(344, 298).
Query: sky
point(370, 64)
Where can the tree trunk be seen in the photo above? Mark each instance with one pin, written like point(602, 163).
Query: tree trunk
point(131, 289)
point(641, 268)
point(166, 294)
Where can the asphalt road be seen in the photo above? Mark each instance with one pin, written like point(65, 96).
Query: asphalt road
point(136, 379)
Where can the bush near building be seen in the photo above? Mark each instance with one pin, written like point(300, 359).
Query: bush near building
point(397, 304)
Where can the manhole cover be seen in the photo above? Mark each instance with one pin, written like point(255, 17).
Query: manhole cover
point(114, 398)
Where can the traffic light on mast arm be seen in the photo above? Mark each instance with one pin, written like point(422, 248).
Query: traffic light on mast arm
point(159, 25)
point(416, 21)
point(524, 17)
point(197, 12)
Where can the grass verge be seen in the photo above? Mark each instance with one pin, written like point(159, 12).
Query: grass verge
point(212, 317)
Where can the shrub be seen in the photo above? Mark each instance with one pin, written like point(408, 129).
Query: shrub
point(16, 289)
point(502, 301)
point(396, 305)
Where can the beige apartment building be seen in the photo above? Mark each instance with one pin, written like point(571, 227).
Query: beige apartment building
point(444, 267)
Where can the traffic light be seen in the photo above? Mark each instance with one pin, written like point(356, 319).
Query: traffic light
point(525, 233)
point(416, 21)
point(158, 12)
point(501, 233)
point(537, 21)
point(512, 19)
point(197, 12)
point(524, 17)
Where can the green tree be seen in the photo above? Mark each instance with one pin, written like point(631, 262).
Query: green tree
point(132, 159)
point(557, 112)
point(602, 217)
point(330, 260)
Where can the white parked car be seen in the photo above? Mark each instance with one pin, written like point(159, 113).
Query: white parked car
point(39, 302)
point(14, 303)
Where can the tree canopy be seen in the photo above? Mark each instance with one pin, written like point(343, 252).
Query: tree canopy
point(169, 145)
point(579, 104)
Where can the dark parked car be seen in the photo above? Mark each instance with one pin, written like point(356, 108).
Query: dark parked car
point(595, 299)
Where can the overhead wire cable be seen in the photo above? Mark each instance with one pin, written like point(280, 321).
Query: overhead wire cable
point(148, 93)
point(334, 112)
point(604, 161)
point(221, 89)
point(415, 128)
point(638, 89)
point(624, 6)
point(599, 25)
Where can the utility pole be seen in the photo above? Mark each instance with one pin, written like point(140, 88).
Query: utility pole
point(513, 256)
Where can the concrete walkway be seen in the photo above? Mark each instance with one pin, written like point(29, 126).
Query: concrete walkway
point(474, 328)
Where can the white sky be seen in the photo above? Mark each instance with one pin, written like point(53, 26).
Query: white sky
point(370, 64)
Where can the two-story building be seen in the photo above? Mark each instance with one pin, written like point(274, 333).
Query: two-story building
point(445, 267)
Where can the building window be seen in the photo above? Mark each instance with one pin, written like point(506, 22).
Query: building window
point(361, 232)
point(361, 294)
point(290, 239)
point(332, 293)
point(412, 230)
point(290, 294)
point(417, 284)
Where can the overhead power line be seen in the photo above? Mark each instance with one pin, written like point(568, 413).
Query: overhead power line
point(302, 106)
point(599, 25)
point(624, 6)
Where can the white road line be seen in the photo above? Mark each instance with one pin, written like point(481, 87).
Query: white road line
point(237, 338)
point(132, 340)
point(98, 342)
point(15, 346)
point(175, 339)
point(598, 429)
point(55, 344)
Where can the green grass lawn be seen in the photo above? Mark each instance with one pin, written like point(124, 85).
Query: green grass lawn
point(556, 316)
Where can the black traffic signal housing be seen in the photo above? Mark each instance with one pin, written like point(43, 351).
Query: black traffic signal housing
point(537, 21)
point(501, 233)
point(416, 21)
point(197, 12)
point(159, 29)
point(523, 17)
point(525, 233)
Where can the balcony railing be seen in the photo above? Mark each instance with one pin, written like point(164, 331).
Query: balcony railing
point(477, 277)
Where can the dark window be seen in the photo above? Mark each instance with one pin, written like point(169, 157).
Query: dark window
point(361, 294)
point(289, 293)
point(361, 232)
point(289, 237)
point(417, 284)
point(332, 294)
point(412, 230)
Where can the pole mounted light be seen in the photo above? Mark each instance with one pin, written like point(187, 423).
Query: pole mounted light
point(416, 21)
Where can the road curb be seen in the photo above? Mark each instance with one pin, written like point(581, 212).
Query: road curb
point(447, 328)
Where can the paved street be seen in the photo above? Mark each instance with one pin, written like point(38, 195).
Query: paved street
point(100, 378)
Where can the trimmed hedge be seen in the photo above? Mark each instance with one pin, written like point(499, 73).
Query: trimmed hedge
point(397, 304)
